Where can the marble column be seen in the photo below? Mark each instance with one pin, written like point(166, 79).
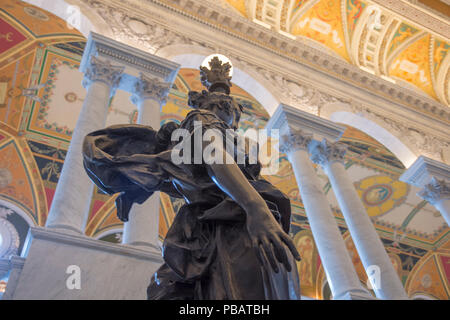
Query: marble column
point(74, 190)
point(437, 193)
point(142, 229)
point(341, 274)
point(330, 155)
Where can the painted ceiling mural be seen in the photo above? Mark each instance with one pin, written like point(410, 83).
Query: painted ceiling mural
point(363, 34)
point(41, 96)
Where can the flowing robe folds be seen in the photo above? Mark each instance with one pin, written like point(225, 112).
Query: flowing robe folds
point(208, 253)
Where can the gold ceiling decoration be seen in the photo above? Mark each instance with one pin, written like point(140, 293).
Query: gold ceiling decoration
point(365, 34)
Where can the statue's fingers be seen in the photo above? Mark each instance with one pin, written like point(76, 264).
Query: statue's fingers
point(257, 250)
point(267, 251)
point(290, 244)
point(280, 253)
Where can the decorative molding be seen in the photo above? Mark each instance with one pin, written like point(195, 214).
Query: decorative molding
point(150, 88)
point(128, 57)
point(155, 35)
point(291, 92)
point(435, 191)
point(424, 170)
point(421, 141)
point(434, 24)
point(102, 71)
point(289, 119)
point(325, 152)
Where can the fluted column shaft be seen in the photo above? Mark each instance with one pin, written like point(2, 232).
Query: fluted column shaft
point(344, 281)
point(370, 248)
point(437, 192)
point(70, 207)
point(142, 229)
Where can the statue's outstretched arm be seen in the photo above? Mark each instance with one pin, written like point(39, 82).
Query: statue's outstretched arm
point(267, 236)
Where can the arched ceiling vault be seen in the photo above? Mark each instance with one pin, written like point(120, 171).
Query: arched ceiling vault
point(365, 34)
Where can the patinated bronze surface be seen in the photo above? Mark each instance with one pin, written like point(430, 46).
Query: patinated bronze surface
point(230, 240)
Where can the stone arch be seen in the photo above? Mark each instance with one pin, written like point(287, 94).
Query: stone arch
point(191, 56)
point(89, 20)
point(342, 113)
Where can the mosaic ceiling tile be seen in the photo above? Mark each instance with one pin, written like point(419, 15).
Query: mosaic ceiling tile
point(444, 261)
point(239, 5)
point(441, 49)
point(298, 4)
point(14, 80)
point(403, 33)
point(427, 278)
point(59, 106)
point(354, 9)
point(323, 23)
point(413, 65)
point(37, 21)
point(381, 194)
point(9, 36)
point(19, 190)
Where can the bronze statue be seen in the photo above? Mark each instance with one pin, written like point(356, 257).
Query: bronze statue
point(230, 240)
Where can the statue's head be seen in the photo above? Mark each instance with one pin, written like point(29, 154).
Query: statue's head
point(223, 105)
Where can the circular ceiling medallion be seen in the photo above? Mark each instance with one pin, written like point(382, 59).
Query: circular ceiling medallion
point(35, 13)
point(381, 194)
point(71, 97)
point(377, 194)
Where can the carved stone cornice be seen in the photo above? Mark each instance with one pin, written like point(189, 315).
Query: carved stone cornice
point(156, 34)
point(423, 170)
point(435, 191)
point(421, 140)
point(289, 119)
point(131, 58)
point(326, 152)
point(298, 81)
point(100, 70)
point(296, 140)
point(150, 88)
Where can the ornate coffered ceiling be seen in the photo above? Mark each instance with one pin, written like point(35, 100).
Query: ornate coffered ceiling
point(403, 42)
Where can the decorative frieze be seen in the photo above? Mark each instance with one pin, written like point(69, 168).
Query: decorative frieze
point(153, 35)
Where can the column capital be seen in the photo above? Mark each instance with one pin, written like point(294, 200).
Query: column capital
point(326, 152)
point(435, 190)
point(295, 140)
point(423, 170)
point(103, 71)
point(147, 87)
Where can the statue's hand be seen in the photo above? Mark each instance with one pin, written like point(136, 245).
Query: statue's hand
point(268, 238)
